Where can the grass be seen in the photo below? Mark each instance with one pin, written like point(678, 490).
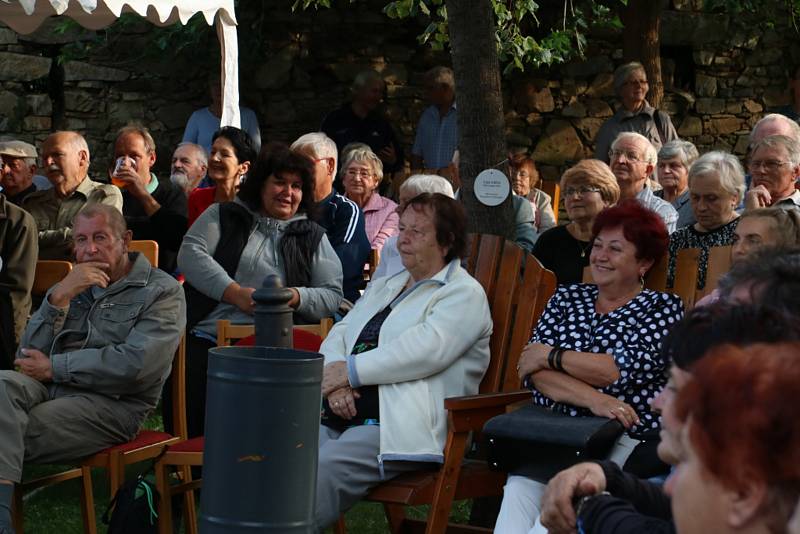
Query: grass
point(56, 509)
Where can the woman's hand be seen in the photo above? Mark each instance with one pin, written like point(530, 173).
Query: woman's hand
point(334, 377)
point(241, 297)
point(343, 402)
point(608, 406)
point(533, 359)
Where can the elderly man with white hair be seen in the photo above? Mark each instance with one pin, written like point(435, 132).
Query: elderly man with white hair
point(341, 218)
point(633, 159)
point(189, 166)
point(774, 167)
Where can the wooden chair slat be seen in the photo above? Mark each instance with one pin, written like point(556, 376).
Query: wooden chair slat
point(553, 189)
point(49, 273)
point(719, 263)
point(148, 248)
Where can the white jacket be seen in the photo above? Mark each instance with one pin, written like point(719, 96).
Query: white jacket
point(434, 345)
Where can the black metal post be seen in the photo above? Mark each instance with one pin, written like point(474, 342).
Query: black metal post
point(273, 316)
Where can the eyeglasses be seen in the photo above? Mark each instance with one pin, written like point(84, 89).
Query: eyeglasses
point(631, 157)
point(580, 190)
point(770, 165)
point(361, 173)
point(636, 82)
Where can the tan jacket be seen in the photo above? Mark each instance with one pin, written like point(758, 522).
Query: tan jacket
point(18, 249)
point(53, 215)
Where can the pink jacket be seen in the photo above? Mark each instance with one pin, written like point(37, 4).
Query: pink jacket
point(380, 220)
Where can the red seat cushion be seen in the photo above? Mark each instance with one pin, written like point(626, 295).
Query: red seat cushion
point(302, 339)
point(145, 438)
point(190, 445)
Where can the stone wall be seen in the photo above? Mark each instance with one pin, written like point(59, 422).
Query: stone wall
point(736, 70)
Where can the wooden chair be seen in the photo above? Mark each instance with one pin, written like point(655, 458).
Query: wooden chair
point(553, 189)
point(49, 273)
point(189, 453)
point(372, 264)
point(148, 248)
point(148, 444)
point(516, 301)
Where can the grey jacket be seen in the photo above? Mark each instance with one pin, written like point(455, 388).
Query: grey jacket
point(260, 257)
point(118, 341)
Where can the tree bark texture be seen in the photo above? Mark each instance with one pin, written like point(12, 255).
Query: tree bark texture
point(481, 124)
point(640, 42)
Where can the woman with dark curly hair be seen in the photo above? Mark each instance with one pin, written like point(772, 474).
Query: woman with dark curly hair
point(233, 246)
point(596, 348)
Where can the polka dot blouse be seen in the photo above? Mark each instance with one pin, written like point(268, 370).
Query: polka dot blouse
point(632, 334)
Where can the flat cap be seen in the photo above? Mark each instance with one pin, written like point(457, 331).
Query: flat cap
point(17, 149)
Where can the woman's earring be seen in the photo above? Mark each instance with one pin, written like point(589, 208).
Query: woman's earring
point(641, 282)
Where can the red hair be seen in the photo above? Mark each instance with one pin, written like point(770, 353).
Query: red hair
point(523, 160)
point(641, 226)
point(742, 402)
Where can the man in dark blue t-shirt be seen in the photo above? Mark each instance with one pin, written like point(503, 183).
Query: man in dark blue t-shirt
point(341, 218)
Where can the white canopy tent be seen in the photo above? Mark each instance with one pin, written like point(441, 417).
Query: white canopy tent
point(24, 16)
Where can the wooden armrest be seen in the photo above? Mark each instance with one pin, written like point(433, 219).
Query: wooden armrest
point(470, 413)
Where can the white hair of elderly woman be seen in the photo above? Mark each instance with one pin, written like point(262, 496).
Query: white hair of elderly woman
point(726, 166)
point(426, 183)
point(685, 151)
point(363, 155)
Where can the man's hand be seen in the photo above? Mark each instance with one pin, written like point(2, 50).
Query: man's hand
point(558, 514)
point(294, 302)
point(757, 197)
point(343, 402)
point(80, 278)
point(334, 377)
point(36, 365)
point(241, 297)
point(134, 183)
point(533, 359)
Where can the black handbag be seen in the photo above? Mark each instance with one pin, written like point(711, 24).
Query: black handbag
point(133, 508)
point(538, 443)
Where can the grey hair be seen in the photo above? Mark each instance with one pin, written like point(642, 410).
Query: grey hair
point(427, 183)
point(685, 151)
point(366, 77)
point(726, 166)
point(792, 146)
point(363, 155)
point(77, 142)
point(624, 72)
point(786, 223)
point(440, 76)
point(319, 144)
point(650, 155)
point(199, 150)
point(773, 117)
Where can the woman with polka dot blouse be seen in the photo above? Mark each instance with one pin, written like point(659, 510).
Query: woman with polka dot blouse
point(595, 350)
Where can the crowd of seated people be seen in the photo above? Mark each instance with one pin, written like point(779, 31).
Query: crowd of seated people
point(227, 218)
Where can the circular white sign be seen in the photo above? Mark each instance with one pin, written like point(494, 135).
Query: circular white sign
point(491, 187)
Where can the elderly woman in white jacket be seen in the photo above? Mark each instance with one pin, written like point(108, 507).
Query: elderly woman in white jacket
point(415, 338)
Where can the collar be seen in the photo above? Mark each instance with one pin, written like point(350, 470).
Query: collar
point(153, 185)
point(374, 203)
point(646, 194)
point(647, 109)
point(85, 188)
point(441, 278)
point(682, 199)
point(793, 199)
point(3, 214)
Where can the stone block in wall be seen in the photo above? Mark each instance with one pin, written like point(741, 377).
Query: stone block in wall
point(7, 36)
point(602, 85)
point(704, 57)
point(74, 123)
point(742, 144)
point(33, 124)
point(764, 56)
point(124, 112)
point(175, 115)
point(705, 85)
point(588, 128)
point(588, 67)
point(528, 97)
point(275, 72)
point(23, 67)
point(39, 104)
point(574, 110)
point(559, 144)
point(598, 108)
point(709, 106)
point(725, 125)
point(83, 102)
point(733, 106)
point(690, 127)
point(81, 71)
point(752, 106)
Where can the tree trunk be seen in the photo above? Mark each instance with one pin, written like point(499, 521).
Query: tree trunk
point(640, 41)
point(481, 125)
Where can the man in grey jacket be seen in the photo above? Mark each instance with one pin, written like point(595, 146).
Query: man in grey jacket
point(93, 358)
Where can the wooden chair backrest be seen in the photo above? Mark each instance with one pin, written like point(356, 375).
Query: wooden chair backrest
point(686, 274)
point(148, 248)
point(179, 422)
point(553, 189)
point(49, 273)
point(372, 263)
point(227, 332)
point(484, 260)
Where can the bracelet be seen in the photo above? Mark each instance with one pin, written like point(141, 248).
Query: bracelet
point(583, 500)
point(551, 358)
point(559, 365)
